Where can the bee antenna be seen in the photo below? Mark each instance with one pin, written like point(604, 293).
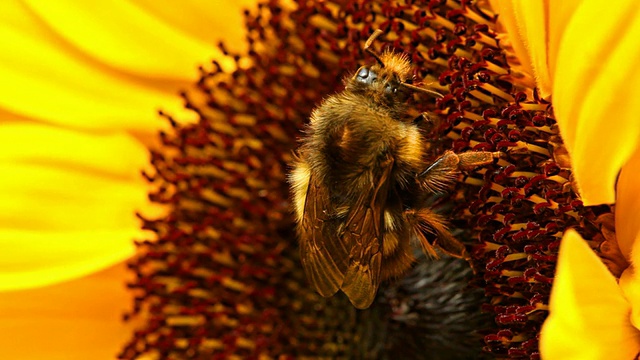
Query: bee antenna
point(421, 89)
point(367, 46)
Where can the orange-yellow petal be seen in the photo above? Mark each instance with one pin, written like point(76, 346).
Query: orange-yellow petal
point(76, 320)
point(115, 154)
point(110, 69)
point(68, 202)
point(526, 24)
point(203, 19)
point(128, 36)
point(630, 285)
point(31, 259)
point(508, 21)
point(589, 315)
point(559, 14)
point(596, 85)
point(628, 208)
point(532, 24)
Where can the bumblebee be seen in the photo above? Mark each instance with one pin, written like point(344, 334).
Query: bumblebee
point(359, 183)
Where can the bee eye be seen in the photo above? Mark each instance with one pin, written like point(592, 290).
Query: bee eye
point(366, 76)
point(389, 89)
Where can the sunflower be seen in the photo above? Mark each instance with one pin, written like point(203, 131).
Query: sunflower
point(207, 279)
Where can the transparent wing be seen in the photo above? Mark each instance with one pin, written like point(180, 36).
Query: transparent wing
point(363, 234)
point(323, 253)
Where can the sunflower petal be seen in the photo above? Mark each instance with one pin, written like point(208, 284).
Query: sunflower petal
point(508, 20)
point(66, 90)
point(32, 259)
point(526, 25)
point(73, 66)
point(203, 19)
point(589, 316)
point(68, 204)
point(597, 80)
point(81, 319)
point(630, 285)
point(128, 35)
point(532, 23)
point(559, 13)
point(628, 208)
point(116, 154)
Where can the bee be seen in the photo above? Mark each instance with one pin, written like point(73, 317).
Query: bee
point(359, 182)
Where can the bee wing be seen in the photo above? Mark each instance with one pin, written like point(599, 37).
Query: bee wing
point(363, 233)
point(323, 253)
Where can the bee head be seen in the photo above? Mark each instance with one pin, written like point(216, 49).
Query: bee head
point(383, 79)
point(389, 80)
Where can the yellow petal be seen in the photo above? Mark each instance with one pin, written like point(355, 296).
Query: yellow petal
point(115, 154)
point(630, 285)
point(63, 180)
point(596, 84)
point(526, 24)
point(127, 36)
point(532, 23)
point(76, 320)
point(589, 316)
point(65, 90)
point(110, 69)
point(628, 208)
point(508, 20)
point(68, 203)
point(203, 19)
point(32, 259)
point(559, 14)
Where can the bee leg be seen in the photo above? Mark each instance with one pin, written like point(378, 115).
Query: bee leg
point(425, 222)
point(441, 174)
point(421, 118)
point(471, 159)
point(444, 171)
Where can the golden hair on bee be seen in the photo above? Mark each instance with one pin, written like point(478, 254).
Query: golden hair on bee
point(360, 180)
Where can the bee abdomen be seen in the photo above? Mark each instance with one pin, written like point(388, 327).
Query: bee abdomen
point(397, 259)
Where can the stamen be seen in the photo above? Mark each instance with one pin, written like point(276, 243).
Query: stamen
point(514, 257)
point(496, 69)
point(495, 91)
point(322, 22)
point(469, 14)
point(533, 148)
point(482, 96)
point(534, 107)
